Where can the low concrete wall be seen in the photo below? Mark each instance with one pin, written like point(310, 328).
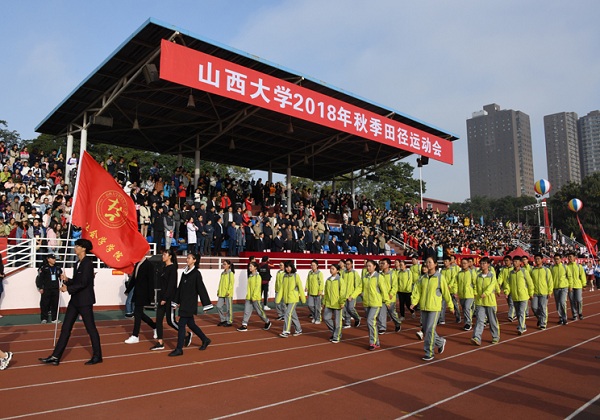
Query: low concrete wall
point(21, 296)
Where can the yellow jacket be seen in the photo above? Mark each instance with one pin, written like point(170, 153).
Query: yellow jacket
point(449, 275)
point(428, 293)
point(519, 285)
point(559, 276)
point(352, 279)
point(314, 283)
point(576, 276)
point(415, 271)
point(253, 290)
point(465, 281)
point(374, 291)
point(405, 281)
point(543, 283)
point(279, 280)
point(226, 284)
point(336, 292)
point(486, 285)
point(291, 289)
point(391, 281)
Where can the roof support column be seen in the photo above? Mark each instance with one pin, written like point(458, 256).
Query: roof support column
point(69, 154)
point(288, 182)
point(179, 157)
point(83, 143)
point(197, 162)
point(352, 187)
point(270, 179)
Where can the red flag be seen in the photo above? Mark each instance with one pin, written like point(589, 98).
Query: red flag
point(590, 243)
point(107, 217)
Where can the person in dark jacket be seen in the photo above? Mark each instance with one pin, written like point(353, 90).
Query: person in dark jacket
point(166, 294)
point(47, 282)
point(186, 299)
point(81, 289)
point(143, 292)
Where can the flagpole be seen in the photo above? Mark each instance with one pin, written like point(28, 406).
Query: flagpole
point(64, 256)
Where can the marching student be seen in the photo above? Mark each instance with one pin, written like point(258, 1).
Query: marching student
point(190, 288)
point(225, 294)
point(486, 288)
point(353, 280)
point(428, 293)
point(577, 281)
point(334, 298)
point(504, 273)
point(465, 282)
point(168, 287)
point(543, 284)
point(142, 288)
point(449, 273)
point(561, 288)
point(520, 288)
point(291, 292)
point(389, 276)
point(253, 299)
point(314, 287)
point(405, 286)
point(375, 294)
point(280, 307)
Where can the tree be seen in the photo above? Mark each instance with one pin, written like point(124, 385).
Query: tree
point(7, 136)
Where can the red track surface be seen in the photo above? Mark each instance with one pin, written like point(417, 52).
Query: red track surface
point(542, 374)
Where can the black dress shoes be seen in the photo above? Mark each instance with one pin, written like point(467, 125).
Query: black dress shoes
point(52, 360)
point(205, 344)
point(176, 352)
point(94, 360)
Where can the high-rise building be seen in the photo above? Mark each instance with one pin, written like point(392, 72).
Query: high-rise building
point(562, 149)
point(500, 153)
point(589, 143)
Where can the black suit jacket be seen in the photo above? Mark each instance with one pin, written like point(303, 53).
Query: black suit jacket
point(81, 286)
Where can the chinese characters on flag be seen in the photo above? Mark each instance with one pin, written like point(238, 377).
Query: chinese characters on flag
point(107, 217)
point(211, 74)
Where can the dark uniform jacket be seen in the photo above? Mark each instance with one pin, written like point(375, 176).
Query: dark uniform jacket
point(48, 277)
point(81, 286)
point(190, 287)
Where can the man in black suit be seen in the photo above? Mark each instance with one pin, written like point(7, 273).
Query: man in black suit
point(218, 234)
point(333, 245)
point(81, 289)
point(278, 243)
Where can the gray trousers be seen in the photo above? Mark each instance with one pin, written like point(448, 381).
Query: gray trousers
point(383, 314)
point(372, 314)
point(560, 296)
point(576, 299)
point(350, 312)
point(250, 305)
point(291, 317)
point(539, 305)
point(520, 308)
point(481, 313)
point(467, 307)
point(430, 338)
point(314, 306)
point(333, 320)
point(511, 307)
point(225, 309)
point(280, 307)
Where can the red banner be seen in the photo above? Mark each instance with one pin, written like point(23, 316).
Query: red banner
point(107, 217)
point(205, 72)
point(590, 243)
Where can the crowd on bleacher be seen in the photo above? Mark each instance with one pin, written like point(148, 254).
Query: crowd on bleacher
point(223, 215)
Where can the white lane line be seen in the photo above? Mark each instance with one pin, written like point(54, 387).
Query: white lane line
point(583, 407)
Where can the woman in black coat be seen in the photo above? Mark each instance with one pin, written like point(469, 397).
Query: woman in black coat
point(166, 293)
point(186, 298)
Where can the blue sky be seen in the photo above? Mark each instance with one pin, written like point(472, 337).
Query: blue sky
point(436, 61)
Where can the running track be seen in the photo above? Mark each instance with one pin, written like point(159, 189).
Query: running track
point(543, 374)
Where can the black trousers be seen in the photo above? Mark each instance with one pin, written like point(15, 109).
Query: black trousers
point(87, 314)
point(49, 304)
point(161, 311)
point(138, 316)
point(264, 289)
point(404, 302)
point(191, 324)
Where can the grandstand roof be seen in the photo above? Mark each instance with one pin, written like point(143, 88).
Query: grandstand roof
point(119, 90)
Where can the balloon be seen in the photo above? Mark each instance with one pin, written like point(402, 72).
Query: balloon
point(575, 205)
point(542, 187)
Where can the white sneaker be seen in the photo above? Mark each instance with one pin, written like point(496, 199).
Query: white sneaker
point(419, 335)
point(317, 322)
point(155, 335)
point(132, 340)
point(266, 308)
